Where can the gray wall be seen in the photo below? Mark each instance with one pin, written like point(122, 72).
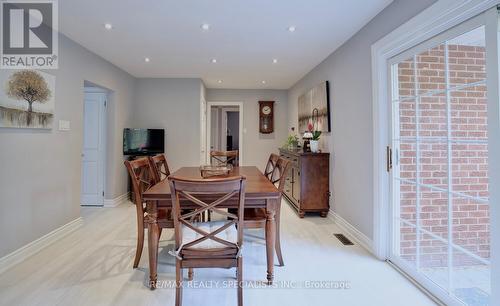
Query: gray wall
point(257, 146)
point(351, 141)
point(174, 105)
point(40, 175)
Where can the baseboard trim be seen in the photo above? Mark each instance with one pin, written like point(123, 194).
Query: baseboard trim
point(21, 254)
point(116, 201)
point(352, 232)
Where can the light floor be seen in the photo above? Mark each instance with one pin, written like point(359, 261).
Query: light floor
point(93, 266)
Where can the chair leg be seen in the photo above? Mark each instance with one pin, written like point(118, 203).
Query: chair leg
point(159, 234)
point(277, 244)
point(239, 279)
point(190, 274)
point(178, 283)
point(140, 242)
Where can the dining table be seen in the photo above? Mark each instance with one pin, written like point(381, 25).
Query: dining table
point(259, 193)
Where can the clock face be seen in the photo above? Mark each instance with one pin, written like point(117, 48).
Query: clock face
point(266, 110)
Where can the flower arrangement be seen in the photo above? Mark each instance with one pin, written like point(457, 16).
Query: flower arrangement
point(314, 143)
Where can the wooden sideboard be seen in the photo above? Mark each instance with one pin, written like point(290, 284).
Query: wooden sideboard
point(308, 182)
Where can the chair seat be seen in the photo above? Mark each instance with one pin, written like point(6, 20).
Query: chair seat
point(229, 234)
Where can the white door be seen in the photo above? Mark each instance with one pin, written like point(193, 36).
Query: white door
point(441, 179)
point(93, 149)
point(203, 132)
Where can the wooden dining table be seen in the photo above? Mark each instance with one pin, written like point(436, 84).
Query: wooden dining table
point(259, 193)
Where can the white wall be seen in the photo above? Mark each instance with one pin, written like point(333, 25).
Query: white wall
point(257, 146)
point(40, 173)
point(173, 105)
point(349, 71)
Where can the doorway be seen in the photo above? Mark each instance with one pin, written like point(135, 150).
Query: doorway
point(224, 128)
point(440, 180)
point(94, 146)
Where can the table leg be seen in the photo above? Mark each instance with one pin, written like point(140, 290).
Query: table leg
point(270, 238)
point(153, 235)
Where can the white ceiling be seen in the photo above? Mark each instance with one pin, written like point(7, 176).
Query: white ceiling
point(244, 36)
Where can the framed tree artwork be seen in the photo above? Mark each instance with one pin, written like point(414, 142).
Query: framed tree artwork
point(26, 99)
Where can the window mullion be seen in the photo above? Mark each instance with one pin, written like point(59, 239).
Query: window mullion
point(417, 163)
point(449, 153)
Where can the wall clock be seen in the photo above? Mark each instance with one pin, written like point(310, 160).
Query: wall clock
point(266, 117)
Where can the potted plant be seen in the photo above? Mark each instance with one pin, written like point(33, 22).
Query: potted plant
point(314, 143)
point(291, 142)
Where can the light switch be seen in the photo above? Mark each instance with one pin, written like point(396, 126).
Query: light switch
point(64, 125)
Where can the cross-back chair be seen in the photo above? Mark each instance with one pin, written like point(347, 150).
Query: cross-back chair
point(256, 217)
point(224, 158)
point(207, 244)
point(271, 163)
point(160, 167)
point(142, 178)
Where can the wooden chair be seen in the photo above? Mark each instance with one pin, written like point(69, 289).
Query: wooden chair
point(256, 217)
point(160, 167)
point(207, 244)
point(143, 178)
point(224, 157)
point(271, 164)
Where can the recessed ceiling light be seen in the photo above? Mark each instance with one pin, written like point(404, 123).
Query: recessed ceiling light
point(219, 81)
point(275, 61)
point(213, 60)
point(108, 26)
point(291, 29)
point(263, 82)
point(205, 27)
point(147, 60)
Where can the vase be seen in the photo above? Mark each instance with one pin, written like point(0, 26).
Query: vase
point(314, 146)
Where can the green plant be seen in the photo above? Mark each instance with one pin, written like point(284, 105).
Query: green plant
point(292, 140)
point(316, 135)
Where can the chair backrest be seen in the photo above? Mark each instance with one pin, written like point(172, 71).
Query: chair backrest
point(271, 163)
point(223, 190)
point(160, 167)
point(280, 173)
point(224, 157)
point(142, 177)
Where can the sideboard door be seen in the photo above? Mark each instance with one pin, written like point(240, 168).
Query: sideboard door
point(296, 185)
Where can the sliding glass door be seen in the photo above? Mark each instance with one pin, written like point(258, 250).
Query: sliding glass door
point(440, 223)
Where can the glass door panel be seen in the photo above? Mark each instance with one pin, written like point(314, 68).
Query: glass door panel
point(440, 176)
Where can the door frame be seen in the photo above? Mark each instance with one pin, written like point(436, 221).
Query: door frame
point(437, 18)
point(104, 116)
point(239, 105)
point(441, 16)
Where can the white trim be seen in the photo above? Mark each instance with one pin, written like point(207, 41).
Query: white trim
point(226, 104)
point(109, 203)
point(95, 90)
point(21, 254)
point(352, 232)
point(437, 18)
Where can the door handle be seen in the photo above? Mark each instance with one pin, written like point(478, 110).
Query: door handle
point(389, 158)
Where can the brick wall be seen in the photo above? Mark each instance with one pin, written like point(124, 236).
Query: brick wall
point(469, 159)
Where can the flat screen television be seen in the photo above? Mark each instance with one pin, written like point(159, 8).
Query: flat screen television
point(143, 141)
